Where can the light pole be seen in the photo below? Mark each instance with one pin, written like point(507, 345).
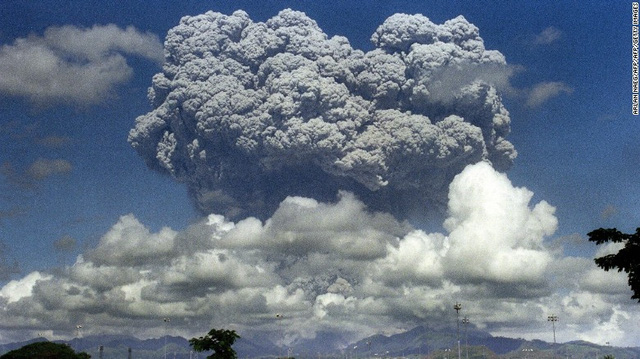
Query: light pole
point(465, 321)
point(553, 319)
point(280, 317)
point(457, 307)
point(79, 333)
point(166, 325)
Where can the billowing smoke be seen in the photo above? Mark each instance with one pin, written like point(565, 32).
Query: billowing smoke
point(246, 113)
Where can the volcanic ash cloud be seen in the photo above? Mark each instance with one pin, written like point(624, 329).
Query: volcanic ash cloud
point(247, 113)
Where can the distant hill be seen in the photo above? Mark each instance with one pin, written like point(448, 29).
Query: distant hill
point(419, 342)
point(441, 343)
point(424, 341)
point(117, 346)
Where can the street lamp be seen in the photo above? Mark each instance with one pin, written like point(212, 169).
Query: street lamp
point(280, 317)
point(79, 333)
point(457, 307)
point(166, 324)
point(465, 321)
point(553, 319)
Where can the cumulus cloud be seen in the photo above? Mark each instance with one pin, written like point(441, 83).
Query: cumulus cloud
point(495, 235)
point(247, 113)
point(315, 267)
point(130, 243)
point(543, 91)
point(73, 65)
point(22, 288)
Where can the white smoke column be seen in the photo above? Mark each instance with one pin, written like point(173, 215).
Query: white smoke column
point(246, 114)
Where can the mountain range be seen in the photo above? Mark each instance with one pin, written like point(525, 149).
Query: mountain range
point(419, 342)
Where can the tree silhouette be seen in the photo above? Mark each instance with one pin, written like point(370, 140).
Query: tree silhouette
point(218, 340)
point(627, 259)
point(45, 350)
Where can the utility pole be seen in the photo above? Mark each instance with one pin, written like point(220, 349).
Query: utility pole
point(457, 307)
point(465, 321)
point(166, 325)
point(553, 319)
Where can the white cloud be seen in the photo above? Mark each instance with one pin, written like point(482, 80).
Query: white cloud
point(301, 225)
point(336, 267)
point(101, 277)
point(43, 168)
point(18, 289)
point(606, 282)
point(37, 172)
point(73, 65)
point(416, 259)
point(548, 36)
point(609, 248)
point(494, 234)
point(130, 243)
point(544, 91)
point(610, 329)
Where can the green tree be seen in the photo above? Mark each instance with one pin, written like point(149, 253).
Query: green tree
point(218, 340)
point(45, 350)
point(627, 259)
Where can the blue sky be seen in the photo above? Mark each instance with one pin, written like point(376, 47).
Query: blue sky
point(69, 174)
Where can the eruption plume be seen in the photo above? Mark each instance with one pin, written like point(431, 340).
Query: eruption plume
point(247, 113)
